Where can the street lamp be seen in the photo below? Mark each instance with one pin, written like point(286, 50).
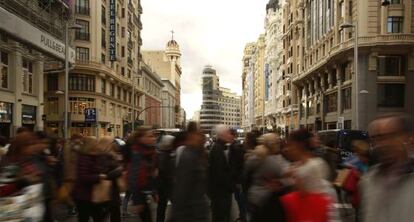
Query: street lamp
point(355, 27)
point(66, 92)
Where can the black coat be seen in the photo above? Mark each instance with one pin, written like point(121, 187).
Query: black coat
point(224, 172)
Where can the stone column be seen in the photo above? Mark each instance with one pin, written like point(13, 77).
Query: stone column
point(16, 72)
point(339, 82)
point(39, 81)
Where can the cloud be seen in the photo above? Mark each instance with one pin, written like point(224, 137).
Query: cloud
point(210, 32)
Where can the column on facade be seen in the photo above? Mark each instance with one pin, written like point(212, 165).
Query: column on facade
point(323, 87)
point(16, 71)
point(339, 75)
point(330, 82)
point(39, 80)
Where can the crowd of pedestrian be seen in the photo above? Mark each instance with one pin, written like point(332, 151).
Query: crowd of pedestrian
point(268, 178)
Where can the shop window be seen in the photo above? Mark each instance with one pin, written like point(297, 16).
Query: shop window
point(4, 70)
point(78, 105)
point(391, 95)
point(103, 86)
point(27, 76)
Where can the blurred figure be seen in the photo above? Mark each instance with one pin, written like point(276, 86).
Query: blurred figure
point(267, 167)
point(88, 174)
point(238, 152)
point(190, 201)
point(4, 146)
point(387, 187)
point(359, 161)
point(165, 174)
point(142, 171)
point(315, 196)
point(329, 153)
point(111, 168)
point(224, 165)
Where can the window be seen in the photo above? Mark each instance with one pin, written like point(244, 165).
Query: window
point(125, 95)
point(103, 15)
point(82, 54)
point(331, 104)
point(103, 38)
point(122, 71)
point(350, 8)
point(395, 24)
point(82, 7)
point(341, 9)
point(395, 1)
point(77, 105)
point(52, 106)
point(83, 32)
point(27, 76)
point(347, 98)
point(103, 58)
point(390, 66)
point(4, 70)
point(123, 32)
point(391, 95)
point(123, 51)
point(129, 73)
point(103, 86)
point(112, 90)
point(82, 82)
point(52, 82)
point(118, 93)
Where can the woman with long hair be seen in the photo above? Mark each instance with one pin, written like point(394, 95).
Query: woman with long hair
point(142, 171)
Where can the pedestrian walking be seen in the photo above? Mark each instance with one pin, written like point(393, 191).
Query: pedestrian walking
point(267, 168)
point(88, 176)
point(387, 187)
point(142, 172)
point(311, 178)
point(221, 174)
point(190, 202)
point(165, 177)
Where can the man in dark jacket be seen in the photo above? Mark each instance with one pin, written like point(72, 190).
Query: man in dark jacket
point(225, 163)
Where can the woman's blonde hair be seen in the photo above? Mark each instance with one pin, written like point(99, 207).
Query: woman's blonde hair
point(106, 145)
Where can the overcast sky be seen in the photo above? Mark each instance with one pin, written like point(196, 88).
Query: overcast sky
point(210, 32)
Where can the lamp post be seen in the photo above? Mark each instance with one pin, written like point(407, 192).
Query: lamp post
point(66, 92)
point(355, 27)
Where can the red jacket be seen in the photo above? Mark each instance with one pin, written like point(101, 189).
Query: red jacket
point(309, 207)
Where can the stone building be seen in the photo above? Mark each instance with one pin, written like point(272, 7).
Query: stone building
point(273, 66)
point(319, 40)
point(247, 110)
point(32, 34)
point(167, 63)
point(107, 73)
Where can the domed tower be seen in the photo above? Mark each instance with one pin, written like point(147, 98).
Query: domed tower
point(273, 4)
point(172, 51)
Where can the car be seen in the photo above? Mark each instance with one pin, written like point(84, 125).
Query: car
point(342, 140)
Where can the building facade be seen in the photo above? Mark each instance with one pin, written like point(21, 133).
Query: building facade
point(32, 33)
point(168, 101)
point(106, 74)
point(247, 104)
point(152, 96)
point(327, 89)
point(259, 82)
point(273, 65)
point(167, 63)
point(220, 105)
